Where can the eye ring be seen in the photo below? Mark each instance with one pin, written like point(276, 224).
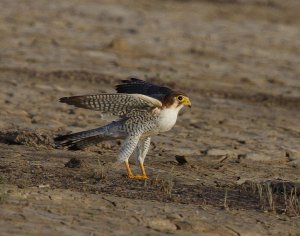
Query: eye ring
point(179, 98)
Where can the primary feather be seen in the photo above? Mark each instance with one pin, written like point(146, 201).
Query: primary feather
point(137, 86)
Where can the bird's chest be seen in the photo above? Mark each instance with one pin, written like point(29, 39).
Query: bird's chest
point(167, 119)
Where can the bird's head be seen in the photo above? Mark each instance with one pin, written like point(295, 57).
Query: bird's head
point(177, 99)
point(183, 100)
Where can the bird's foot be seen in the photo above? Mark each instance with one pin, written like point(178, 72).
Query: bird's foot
point(138, 177)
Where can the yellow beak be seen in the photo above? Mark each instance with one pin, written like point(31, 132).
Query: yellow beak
point(186, 101)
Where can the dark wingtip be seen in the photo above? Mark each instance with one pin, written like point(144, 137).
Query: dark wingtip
point(64, 99)
point(73, 147)
point(62, 141)
point(135, 79)
point(129, 80)
point(70, 100)
point(129, 85)
point(59, 138)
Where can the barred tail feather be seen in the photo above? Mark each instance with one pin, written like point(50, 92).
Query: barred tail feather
point(76, 141)
point(79, 135)
point(81, 144)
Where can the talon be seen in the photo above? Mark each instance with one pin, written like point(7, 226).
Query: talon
point(138, 177)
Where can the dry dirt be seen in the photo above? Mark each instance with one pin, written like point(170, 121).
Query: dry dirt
point(229, 167)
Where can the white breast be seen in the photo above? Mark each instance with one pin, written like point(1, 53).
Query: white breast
point(167, 118)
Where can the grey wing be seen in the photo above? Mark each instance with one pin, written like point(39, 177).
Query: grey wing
point(143, 87)
point(120, 105)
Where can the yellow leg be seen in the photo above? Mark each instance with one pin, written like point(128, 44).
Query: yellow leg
point(143, 170)
point(138, 177)
point(129, 172)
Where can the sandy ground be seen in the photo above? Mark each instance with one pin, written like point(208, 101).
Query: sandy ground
point(229, 167)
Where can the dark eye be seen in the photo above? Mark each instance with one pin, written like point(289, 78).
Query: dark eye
point(179, 98)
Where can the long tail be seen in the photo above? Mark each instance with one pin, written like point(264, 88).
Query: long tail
point(76, 141)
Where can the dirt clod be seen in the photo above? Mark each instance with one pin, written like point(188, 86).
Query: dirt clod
point(73, 163)
point(181, 160)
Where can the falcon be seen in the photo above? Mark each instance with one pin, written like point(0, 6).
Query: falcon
point(142, 109)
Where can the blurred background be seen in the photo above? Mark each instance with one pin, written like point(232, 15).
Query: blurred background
point(232, 45)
